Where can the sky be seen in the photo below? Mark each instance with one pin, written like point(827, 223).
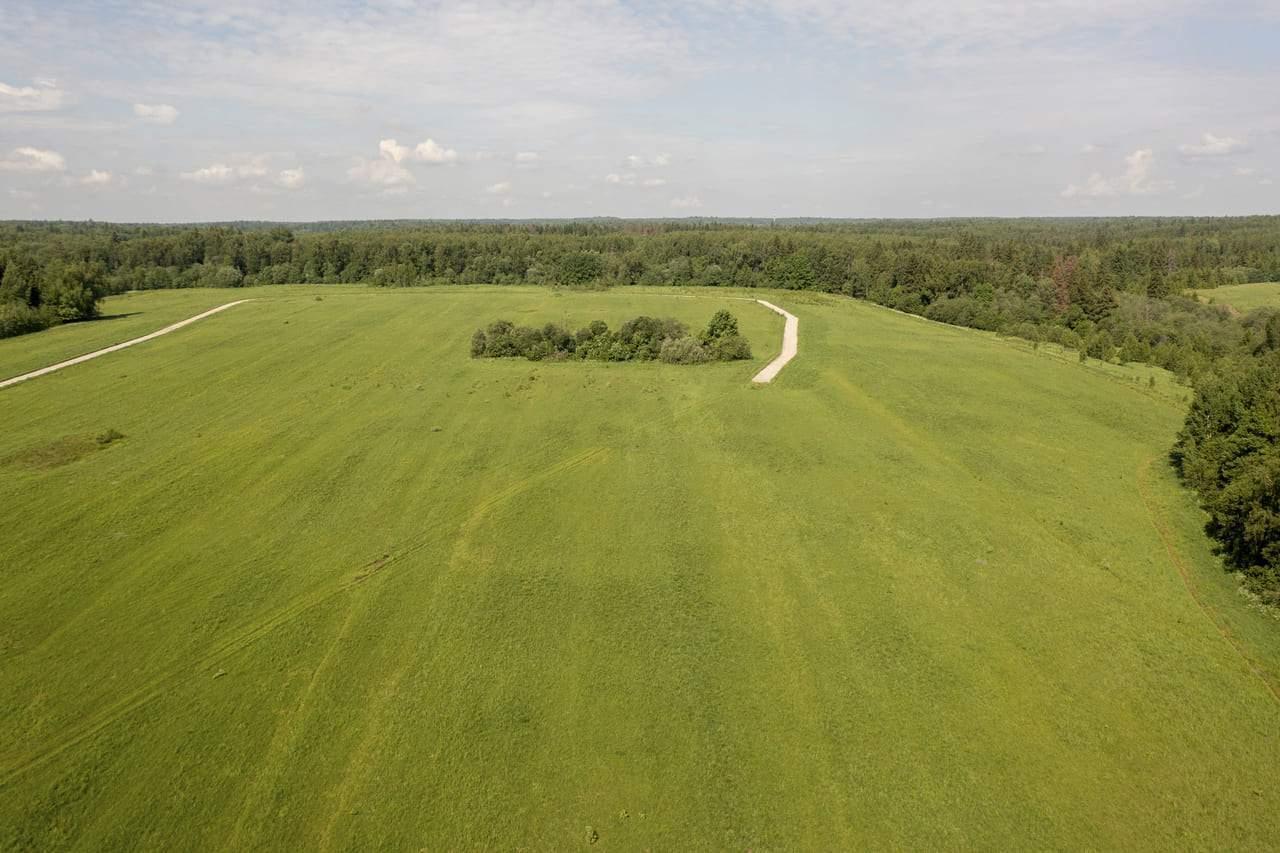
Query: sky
point(286, 110)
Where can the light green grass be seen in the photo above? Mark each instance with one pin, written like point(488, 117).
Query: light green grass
point(922, 592)
point(124, 317)
point(1243, 297)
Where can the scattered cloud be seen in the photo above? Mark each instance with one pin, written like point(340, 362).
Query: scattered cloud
point(28, 159)
point(686, 202)
point(43, 96)
point(1136, 180)
point(526, 156)
point(97, 178)
point(1089, 148)
point(221, 173)
point(430, 151)
point(1243, 171)
point(384, 172)
point(291, 179)
point(22, 195)
point(393, 151)
point(500, 188)
point(1213, 146)
point(156, 113)
point(637, 161)
point(631, 179)
point(1265, 182)
point(389, 169)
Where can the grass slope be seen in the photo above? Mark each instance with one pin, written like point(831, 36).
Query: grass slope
point(926, 590)
point(1243, 297)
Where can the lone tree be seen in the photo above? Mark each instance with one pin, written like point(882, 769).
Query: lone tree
point(722, 325)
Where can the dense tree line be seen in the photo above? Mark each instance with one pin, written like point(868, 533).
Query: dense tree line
point(1229, 450)
point(640, 339)
point(1110, 288)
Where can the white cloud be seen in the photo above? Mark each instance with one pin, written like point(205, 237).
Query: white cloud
point(389, 169)
point(28, 159)
point(43, 96)
point(156, 113)
point(22, 195)
point(96, 178)
point(1136, 180)
point(638, 161)
point(500, 188)
point(1213, 146)
point(291, 179)
point(218, 173)
point(526, 156)
point(686, 202)
point(429, 151)
point(392, 150)
point(221, 173)
point(1265, 182)
point(1089, 148)
point(1243, 171)
point(143, 171)
point(631, 179)
point(383, 172)
point(1095, 186)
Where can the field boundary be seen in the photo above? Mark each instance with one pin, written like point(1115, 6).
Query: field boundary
point(1175, 557)
point(80, 359)
point(790, 344)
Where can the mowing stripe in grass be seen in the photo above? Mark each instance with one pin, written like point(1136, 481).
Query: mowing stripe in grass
point(96, 723)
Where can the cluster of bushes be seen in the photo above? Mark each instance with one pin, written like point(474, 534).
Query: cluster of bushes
point(640, 339)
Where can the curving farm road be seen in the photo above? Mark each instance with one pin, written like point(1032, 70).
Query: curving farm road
point(790, 343)
point(114, 347)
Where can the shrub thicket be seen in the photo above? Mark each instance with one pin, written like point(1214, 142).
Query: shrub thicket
point(640, 339)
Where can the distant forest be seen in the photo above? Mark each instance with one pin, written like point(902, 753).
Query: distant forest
point(1110, 288)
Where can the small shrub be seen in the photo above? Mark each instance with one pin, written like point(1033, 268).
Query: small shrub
point(109, 436)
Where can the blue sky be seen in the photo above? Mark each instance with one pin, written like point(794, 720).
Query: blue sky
point(163, 111)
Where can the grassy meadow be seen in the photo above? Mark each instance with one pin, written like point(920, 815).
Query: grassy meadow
point(1243, 297)
point(341, 586)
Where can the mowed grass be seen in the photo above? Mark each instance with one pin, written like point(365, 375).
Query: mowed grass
point(124, 317)
point(1243, 297)
point(341, 586)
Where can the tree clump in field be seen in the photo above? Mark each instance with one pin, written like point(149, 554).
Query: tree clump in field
point(640, 339)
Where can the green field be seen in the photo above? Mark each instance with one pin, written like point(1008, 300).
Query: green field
point(1242, 297)
point(341, 586)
